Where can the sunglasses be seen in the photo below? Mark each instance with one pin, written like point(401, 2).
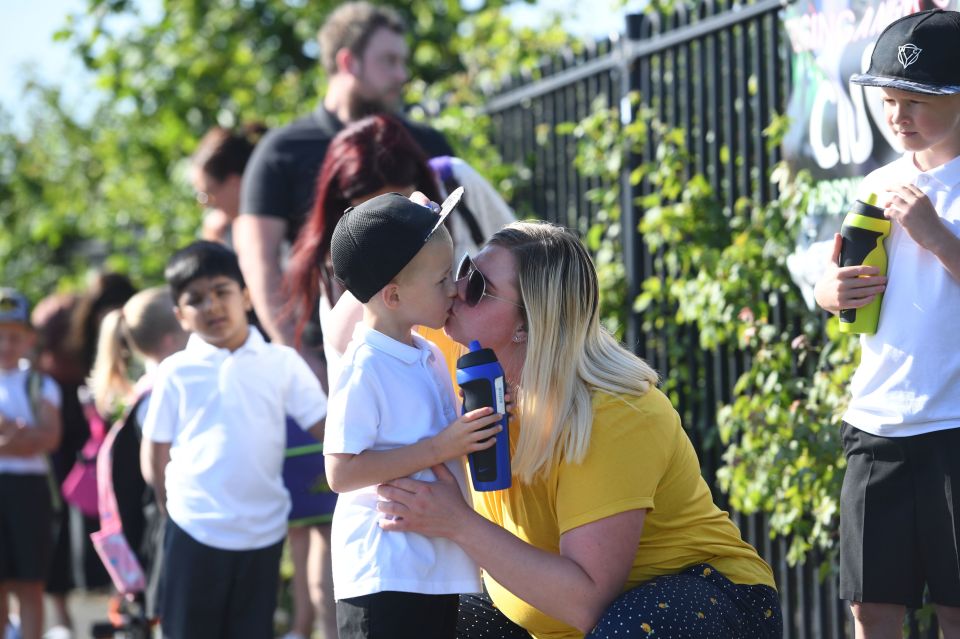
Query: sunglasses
point(476, 283)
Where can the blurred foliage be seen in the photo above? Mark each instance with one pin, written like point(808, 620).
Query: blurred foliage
point(111, 189)
point(719, 279)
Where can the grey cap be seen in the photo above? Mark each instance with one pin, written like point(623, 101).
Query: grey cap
point(14, 308)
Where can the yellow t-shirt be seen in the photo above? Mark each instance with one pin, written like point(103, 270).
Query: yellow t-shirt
point(639, 457)
point(451, 350)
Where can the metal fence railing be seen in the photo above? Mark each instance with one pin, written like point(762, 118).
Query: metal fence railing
point(721, 74)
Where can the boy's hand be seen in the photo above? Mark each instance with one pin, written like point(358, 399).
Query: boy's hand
point(849, 286)
point(468, 434)
point(909, 207)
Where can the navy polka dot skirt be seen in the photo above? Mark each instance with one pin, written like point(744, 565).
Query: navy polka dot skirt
point(698, 603)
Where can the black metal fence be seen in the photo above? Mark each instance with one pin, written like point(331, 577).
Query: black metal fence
point(721, 74)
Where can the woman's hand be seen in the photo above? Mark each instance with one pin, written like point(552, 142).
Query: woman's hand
point(849, 286)
point(434, 509)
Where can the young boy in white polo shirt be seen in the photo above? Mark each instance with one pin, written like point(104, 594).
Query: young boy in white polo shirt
point(393, 413)
point(899, 510)
point(213, 448)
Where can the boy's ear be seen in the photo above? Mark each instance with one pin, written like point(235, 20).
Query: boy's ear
point(390, 294)
point(247, 302)
point(180, 319)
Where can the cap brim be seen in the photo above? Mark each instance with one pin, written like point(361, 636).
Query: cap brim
point(447, 208)
point(867, 80)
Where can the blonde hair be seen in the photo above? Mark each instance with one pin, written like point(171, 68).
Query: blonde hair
point(569, 355)
point(140, 327)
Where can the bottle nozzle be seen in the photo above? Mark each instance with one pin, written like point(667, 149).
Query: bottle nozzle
point(871, 199)
point(474, 345)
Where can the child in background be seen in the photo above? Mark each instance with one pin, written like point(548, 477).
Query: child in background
point(899, 522)
point(145, 328)
point(389, 413)
point(214, 439)
point(29, 429)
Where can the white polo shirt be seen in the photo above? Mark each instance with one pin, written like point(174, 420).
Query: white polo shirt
point(15, 404)
point(389, 395)
point(224, 414)
point(908, 380)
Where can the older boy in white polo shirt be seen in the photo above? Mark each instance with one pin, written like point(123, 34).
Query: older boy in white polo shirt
point(214, 439)
point(393, 414)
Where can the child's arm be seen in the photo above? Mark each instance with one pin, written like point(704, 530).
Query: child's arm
point(912, 209)
point(154, 457)
point(465, 435)
point(316, 431)
point(849, 286)
point(17, 439)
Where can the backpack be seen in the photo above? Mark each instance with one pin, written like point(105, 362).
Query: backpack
point(443, 167)
point(34, 383)
point(110, 542)
point(80, 484)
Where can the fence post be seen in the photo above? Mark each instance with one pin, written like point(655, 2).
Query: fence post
point(629, 236)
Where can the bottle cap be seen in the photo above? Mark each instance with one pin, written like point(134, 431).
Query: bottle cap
point(868, 207)
point(477, 356)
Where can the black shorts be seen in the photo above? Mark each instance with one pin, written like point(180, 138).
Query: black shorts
point(209, 592)
point(26, 527)
point(397, 615)
point(900, 518)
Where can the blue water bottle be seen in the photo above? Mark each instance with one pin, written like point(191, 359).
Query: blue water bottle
point(481, 378)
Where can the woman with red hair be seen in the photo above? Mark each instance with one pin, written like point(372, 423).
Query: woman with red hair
point(370, 157)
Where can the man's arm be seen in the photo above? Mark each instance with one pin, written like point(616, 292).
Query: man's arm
point(258, 240)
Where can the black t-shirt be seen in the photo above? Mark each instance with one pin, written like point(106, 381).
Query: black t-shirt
point(281, 177)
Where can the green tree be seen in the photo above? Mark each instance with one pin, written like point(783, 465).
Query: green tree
point(77, 192)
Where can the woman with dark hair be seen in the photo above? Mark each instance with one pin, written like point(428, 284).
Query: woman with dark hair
point(216, 173)
point(373, 156)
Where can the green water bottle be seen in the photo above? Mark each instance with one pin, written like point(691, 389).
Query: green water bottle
point(863, 231)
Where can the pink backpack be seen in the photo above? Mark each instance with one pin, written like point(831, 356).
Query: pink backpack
point(80, 485)
point(110, 543)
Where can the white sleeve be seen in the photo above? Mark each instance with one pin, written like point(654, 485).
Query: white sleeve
point(486, 204)
point(354, 402)
point(304, 400)
point(50, 391)
point(160, 424)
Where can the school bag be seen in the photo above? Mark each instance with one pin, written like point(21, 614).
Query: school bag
point(34, 383)
point(110, 542)
point(80, 484)
point(311, 500)
point(482, 211)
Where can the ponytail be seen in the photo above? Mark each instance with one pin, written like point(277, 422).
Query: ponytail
point(109, 382)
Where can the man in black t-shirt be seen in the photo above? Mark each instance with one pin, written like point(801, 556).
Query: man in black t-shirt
point(364, 51)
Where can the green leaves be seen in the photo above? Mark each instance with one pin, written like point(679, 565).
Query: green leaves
point(719, 276)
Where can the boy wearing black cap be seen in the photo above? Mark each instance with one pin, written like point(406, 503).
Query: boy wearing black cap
point(393, 414)
point(29, 429)
point(900, 514)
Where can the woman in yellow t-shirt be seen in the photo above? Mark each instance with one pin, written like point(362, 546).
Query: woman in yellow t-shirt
point(608, 526)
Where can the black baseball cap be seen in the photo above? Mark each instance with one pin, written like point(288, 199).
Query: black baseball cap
point(917, 53)
point(373, 241)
